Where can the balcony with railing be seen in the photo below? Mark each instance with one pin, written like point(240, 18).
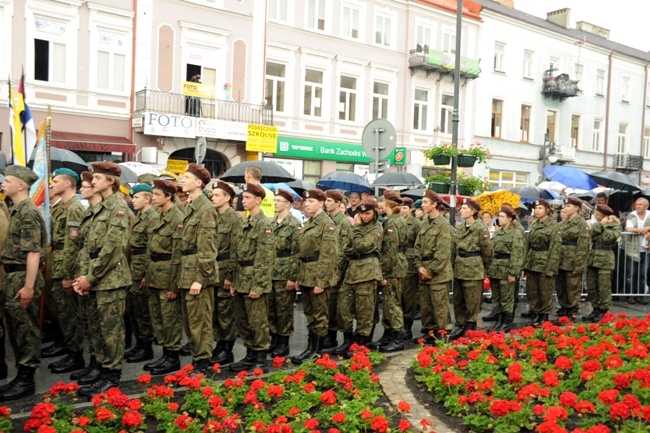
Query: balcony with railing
point(147, 100)
point(442, 63)
point(560, 86)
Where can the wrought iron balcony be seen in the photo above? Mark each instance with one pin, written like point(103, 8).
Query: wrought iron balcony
point(559, 87)
point(174, 103)
point(628, 163)
point(443, 63)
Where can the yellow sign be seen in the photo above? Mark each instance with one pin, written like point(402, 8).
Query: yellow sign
point(178, 165)
point(262, 138)
point(251, 156)
point(197, 90)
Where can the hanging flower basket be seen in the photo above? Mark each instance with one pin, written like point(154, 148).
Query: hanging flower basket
point(466, 160)
point(441, 160)
point(440, 187)
point(465, 190)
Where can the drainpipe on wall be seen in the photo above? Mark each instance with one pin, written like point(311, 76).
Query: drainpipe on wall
point(607, 100)
point(133, 46)
point(643, 117)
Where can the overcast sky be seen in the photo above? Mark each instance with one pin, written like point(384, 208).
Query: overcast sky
point(627, 20)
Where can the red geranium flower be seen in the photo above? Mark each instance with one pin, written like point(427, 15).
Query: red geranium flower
point(144, 379)
point(380, 424)
point(404, 425)
point(619, 411)
point(608, 397)
point(131, 419)
point(311, 423)
point(338, 417)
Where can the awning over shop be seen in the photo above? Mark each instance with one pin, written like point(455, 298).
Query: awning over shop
point(91, 142)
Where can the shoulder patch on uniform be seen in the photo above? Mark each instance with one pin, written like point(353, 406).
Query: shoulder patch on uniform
point(377, 234)
point(331, 229)
point(120, 213)
point(390, 231)
point(179, 227)
point(74, 232)
point(299, 229)
point(268, 232)
point(485, 236)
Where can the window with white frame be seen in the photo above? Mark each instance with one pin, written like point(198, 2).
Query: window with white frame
point(348, 98)
point(551, 117)
point(420, 109)
point(575, 131)
point(524, 125)
point(448, 41)
point(577, 72)
point(499, 56)
point(622, 138)
point(508, 179)
point(423, 36)
point(528, 64)
point(350, 21)
point(278, 10)
point(313, 93)
point(646, 142)
point(275, 85)
point(554, 62)
point(446, 113)
point(50, 46)
point(497, 118)
point(383, 29)
point(379, 100)
point(316, 14)
point(625, 89)
point(111, 60)
point(600, 82)
point(596, 134)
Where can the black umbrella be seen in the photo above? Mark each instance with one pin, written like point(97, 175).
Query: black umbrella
point(531, 193)
point(397, 179)
point(616, 180)
point(271, 172)
point(300, 185)
point(414, 193)
point(63, 158)
point(128, 175)
point(345, 181)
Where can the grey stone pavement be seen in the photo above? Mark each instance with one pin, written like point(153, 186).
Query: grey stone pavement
point(392, 376)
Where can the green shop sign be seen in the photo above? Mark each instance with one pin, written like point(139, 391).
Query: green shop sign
point(331, 151)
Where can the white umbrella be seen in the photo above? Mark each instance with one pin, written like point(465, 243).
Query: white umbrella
point(139, 168)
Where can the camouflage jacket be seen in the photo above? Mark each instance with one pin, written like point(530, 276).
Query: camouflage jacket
point(363, 250)
point(86, 222)
point(66, 222)
point(473, 251)
point(508, 247)
point(255, 255)
point(287, 248)
point(139, 256)
point(574, 251)
point(26, 234)
point(319, 252)
point(603, 244)
point(433, 248)
point(344, 226)
point(229, 227)
point(412, 230)
point(196, 245)
point(106, 241)
point(543, 247)
point(393, 260)
point(161, 274)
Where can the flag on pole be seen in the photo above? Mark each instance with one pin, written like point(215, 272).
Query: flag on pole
point(14, 123)
point(28, 128)
point(40, 191)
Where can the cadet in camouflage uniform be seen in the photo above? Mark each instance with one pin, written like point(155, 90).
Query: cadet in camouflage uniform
point(106, 276)
point(160, 278)
point(286, 230)
point(574, 254)
point(433, 248)
point(137, 298)
point(197, 253)
point(23, 282)
point(229, 229)
point(508, 247)
point(393, 268)
point(358, 295)
point(473, 257)
point(255, 257)
point(602, 261)
point(66, 221)
point(410, 282)
point(319, 254)
point(4, 229)
point(542, 261)
point(333, 202)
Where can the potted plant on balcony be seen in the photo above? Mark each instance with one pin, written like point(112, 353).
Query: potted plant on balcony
point(439, 183)
point(468, 156)
point(471, 185)
point(441, 154)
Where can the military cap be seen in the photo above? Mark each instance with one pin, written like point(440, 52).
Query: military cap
point(220, 184)
point(604, 209)
point(285, 195)
point(141, 187)
point(392, 196)
point(200, 172)
point(334, 195)
point(574, 201)
point(542, 202)
point(255, 189)
point(367, 204)
point(23, 173)
point(417, 203)
point(86, 176)
point(165, 185)
point(66, 171)
point(316, 194)
point(508, 210)
point(472, 203)
point(169, 174)
point(432, 195)
point(106, 167)
point(407, 201)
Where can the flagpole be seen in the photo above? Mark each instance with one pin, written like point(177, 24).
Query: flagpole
point(48, 139)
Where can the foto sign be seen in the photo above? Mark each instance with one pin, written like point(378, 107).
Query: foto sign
point(169, 125)
point(198, 90)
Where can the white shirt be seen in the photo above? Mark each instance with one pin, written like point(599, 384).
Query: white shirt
point(640, 223)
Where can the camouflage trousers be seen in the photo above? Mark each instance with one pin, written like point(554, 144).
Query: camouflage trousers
point(393, 318)
point(281, 309)
point(106, 326)
point(316, 309)
point(503, 295)
point(539, 292)
point(66, 309)
point(224, 317)
point(137, 312)
point(568, 288)
point(409, 297)
point(467, 300)
point(166, 319)
point(333, 302)
point(434, 306)
point(22, 325)
point(253, 321)
point(198, 311)
point(599, 287)
point(357, 302)
point(81, 318)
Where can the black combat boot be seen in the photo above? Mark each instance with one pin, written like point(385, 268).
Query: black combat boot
point(386, 338)
point(72, 362)
point(246, 363)
point(562, 312)
point(93, 375)
point(470, 326)
point(408, 332)
point(534, 320)
point(108, 379)
point(225, 355)
point(149, 365)
point(274, 343)
point(492, 317)
point(22, 386)
point(186, 349)
point(92, 365)
point(330, 340)
point(218, 348)
point(598, 317)
point(458, 332)
point(283, 346)
point(505, 323)
point(360, 340)
point(3, 363)
point(54, 350)
point(499, 321)
point(528, 314)
point(170, 364)
point(200, 366)
point(540, 319)
point(590, 316)
point(308, 352)
point(260, 361)
point(348, 340)
point(572, 314)
point(395, 344)
point(143, 352)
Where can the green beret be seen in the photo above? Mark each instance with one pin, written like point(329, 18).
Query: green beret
point(66, 171)
point(417, 204)
point(22, 173)
point(141, 187)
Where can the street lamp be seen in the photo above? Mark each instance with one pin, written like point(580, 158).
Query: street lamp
point(547, 153)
